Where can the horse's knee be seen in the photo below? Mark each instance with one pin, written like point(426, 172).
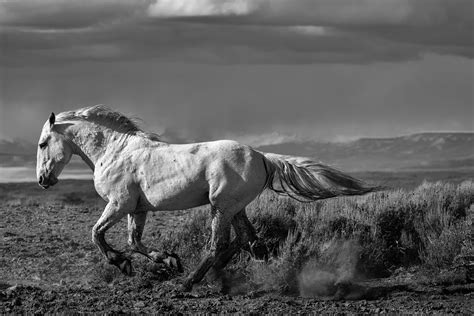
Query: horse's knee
point(244, 229)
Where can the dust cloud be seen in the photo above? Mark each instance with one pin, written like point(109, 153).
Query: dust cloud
point(333, 273)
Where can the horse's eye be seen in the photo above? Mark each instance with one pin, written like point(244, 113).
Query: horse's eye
point(43, 145)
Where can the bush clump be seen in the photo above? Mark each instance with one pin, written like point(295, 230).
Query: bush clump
point(346, 237)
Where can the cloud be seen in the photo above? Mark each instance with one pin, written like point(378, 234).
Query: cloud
point(233, 31)
point(289, 11)
point(190, 102)
point(64, 14)
point(324, 12)
point(433, 25)
point(167, 8)
point(171, 41)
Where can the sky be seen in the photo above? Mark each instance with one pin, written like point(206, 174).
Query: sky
point(258, 71)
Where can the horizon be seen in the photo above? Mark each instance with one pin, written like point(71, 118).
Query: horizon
point(284, 139)
point(405, 154)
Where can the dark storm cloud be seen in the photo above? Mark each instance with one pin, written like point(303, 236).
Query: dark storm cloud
point(41, 32)
point(63, 14)
point(430, 25)
point(328, 68)
point(320, 12)
point(202, 102)
point(171, 41)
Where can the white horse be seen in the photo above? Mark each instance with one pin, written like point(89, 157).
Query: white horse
point(135, 173)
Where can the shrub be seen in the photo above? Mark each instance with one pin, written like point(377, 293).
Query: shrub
point(428, 226)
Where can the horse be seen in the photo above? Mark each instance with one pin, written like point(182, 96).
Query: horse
point(136, 172)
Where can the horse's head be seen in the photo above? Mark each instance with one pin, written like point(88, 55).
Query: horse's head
point(54, 152)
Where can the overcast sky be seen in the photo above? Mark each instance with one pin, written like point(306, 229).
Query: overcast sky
point(258, 71)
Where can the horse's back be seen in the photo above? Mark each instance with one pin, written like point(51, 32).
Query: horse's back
point(217, 159)
point(187, 175)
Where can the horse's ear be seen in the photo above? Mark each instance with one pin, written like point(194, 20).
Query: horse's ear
point(52, 119)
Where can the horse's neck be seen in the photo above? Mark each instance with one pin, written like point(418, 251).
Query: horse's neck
point(91, 142)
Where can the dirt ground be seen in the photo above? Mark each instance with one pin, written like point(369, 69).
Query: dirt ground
point(49, 264)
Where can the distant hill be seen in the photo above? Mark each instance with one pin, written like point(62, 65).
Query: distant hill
point(16, 153)
point(18, 146)
point(423, 151)
point(417, 151)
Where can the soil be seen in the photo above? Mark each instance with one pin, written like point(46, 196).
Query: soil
point(49, 264)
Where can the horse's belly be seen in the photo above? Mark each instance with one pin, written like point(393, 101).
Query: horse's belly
point(170, 196)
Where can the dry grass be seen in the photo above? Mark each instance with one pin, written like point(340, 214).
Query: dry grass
point(345, 238)
point(427, 228)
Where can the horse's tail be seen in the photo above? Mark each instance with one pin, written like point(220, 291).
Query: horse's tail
point(306, 180)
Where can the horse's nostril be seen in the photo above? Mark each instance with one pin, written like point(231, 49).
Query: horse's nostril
point(40, 180)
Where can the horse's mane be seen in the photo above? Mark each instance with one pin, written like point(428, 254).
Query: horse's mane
point(105, 116)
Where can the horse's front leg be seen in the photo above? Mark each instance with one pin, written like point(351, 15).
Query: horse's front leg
point(136, 225)
point(114, 212)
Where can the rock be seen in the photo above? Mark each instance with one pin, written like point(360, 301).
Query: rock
point(139, 304)
point(11, 289)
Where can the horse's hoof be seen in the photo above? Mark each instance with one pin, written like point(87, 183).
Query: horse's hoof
point(187, 286)
point(126, 267)
point(172, 260)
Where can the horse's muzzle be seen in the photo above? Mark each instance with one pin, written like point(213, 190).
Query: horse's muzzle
point(46, 182)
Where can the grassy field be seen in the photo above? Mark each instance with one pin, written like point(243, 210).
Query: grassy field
point(418, 231)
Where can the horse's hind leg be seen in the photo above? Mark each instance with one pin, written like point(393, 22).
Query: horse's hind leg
point(221, 251)
point(244, 230)
point(245, 235)
point(248, 236)
point(136, 225)
point(245, 238)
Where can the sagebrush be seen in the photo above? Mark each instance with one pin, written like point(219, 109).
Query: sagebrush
point(346, 237)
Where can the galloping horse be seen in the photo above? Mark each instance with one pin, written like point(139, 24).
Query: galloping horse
point(136, 172)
